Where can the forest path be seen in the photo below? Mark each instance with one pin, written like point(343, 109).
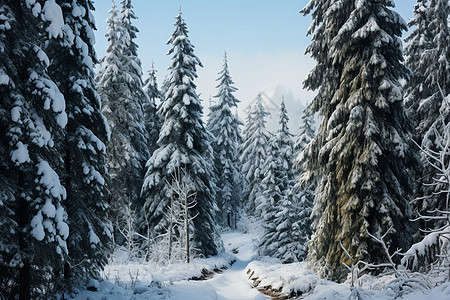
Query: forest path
point(233, 283)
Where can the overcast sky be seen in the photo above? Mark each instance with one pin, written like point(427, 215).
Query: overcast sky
point(265, 41)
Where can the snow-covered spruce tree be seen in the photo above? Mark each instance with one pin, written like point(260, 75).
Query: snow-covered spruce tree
point(428, 55)
point(432, 252)
point(71, 66)
point(32, 116)
point(362, 153)
point(152, 119)
point(223, 124)
point(300, 198)
point(183, 144)
point(253, 153)
point(276, 209)
point(305, 134)
point(120, 89)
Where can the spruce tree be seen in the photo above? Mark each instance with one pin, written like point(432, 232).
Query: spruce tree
point(276, 208)
point(362, 153)
point(224, 126)
point(302, 197)
point(428, 54)
point(33, 117)
point(182, 145)
point(253, 153)
point(305, 134)
point(122, 96)
point(152, 119)
point(84, 172)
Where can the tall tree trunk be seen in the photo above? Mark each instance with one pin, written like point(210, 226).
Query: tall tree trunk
point(186, 225)
point(170, 227)
point(23, 220)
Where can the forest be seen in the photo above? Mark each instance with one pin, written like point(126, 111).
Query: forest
point(115, 187)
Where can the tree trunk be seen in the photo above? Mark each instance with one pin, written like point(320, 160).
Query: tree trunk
point(170, 227)
point(23, 220)
point(186, 225)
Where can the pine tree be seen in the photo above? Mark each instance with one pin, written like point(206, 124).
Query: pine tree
point(361, 154)
point(32, 116)
point(182, 145)
point(276, 206)
point(120, 89)
point(152, 119)
point(224, 126)
point(428, 54)
point(72, 63)
point(253, 153)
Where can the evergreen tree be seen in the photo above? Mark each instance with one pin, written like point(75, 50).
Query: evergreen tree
point(428, 54)
point(182, 145)
point(72, 62)
point(224, 126)
point(120, 89)
point(302, 197)
point(253, 153)
point(152, 119)
point(276, 208)
point(32, 116)
point(361, 153)
point(306, 133)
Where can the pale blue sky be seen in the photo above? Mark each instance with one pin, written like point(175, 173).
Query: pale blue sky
point(265, 41)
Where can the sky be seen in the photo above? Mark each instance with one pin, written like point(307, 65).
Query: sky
point(265, 41)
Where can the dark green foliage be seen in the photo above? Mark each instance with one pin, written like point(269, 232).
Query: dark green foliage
point(32, 118)
point(183, 145)
point(362, 154)
point(223, 124)
point(84, 171)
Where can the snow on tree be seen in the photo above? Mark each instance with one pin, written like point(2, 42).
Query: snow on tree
point(152, 119)
point(428, 53)
point(432, 252)
point(183, 144)
point(361, 154)
point(299, 197)
point(275, 208)
point(120, 89)
point(306, 132)
point(223, 124)
point(72, 62)
point(32, 115)
point(253, 153)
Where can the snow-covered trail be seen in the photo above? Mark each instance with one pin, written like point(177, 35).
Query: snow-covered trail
point(233, 283)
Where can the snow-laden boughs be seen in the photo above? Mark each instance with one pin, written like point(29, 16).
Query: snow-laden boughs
point(183, 144)
point(253, 153)
point(362, 154)
point(301, 197)
point(121, 91)
point(224, 126)
point(152, 119)
point(72, 61)
point(275, 208)
point(32, 118)
point(428, 55)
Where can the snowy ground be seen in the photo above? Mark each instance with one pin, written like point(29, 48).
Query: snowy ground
point(140, 281)
point(295, 279)
point(143, 281)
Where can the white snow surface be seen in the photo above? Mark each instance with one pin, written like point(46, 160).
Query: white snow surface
point(130, 279)
point(52, 13)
